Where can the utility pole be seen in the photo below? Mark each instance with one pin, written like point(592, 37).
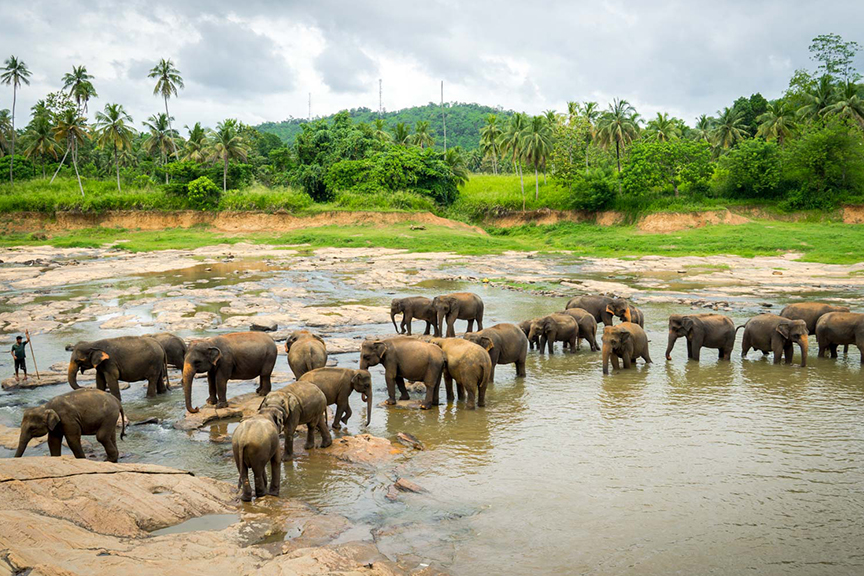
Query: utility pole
point(380, 99)
point(310, 106)
point(443, 116)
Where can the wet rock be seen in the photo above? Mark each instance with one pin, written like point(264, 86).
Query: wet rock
point(363, 449)
point(238, 407)
point(152, 420)
point(404, 485)
point(9, 439)
point(263, 326)
point(51, 379)
point(410, 440)
point(404, 404)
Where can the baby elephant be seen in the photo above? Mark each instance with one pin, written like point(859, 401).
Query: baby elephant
point(255, 442)
point(469, 364)
point(587, 327)
point(773, 333)
point(85, 411)
point(306, 352)
point(558, 327)
point(300, 403)
point(337, 385)
point(626, 341)
point(621, 308)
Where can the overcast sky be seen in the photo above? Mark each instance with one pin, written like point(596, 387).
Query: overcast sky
point(258, 60)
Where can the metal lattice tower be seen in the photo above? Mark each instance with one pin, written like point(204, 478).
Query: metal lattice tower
point(380, 99)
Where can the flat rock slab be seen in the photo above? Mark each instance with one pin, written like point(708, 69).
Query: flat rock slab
point(363, 449)
point(9, 439)
point(52, 379)
point(238, 407)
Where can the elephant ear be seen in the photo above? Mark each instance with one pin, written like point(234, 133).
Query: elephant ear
point(316, 337)
point(623, 335)
point(676, 321)
point(486, 343)
point(51, 419)
point(214, 354)
point(784, 329)
point(688, 323)
point(380, 348)
point(97, 357)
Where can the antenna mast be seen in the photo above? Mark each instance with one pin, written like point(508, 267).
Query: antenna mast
point(443, 116)
point(310, 106)
point(380, 99)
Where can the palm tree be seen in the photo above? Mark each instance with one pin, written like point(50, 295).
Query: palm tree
point(379, 130)
point(227, 145)
point(702, 131)
point(536, 146)
point(80, 87)
point(848, 104)
point(817, 99)
point(40, 140)
point(421, 136)
point(5, 130)
point(71, 128)
point(591, 113)
point(401, 134)
point(14, 73)
point(662, 128)
point(777, 122)
point(196, 144)
point(729, 129)
point(551, 117)
point(455, 159)
point(511, 144)
point(573, 110)
point(111, 128)
point(168, 81)
point(619, 125)
point(490, 133)
point(161, 137)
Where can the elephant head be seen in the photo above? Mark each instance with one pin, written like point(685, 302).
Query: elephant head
point(443, 306)
point(482, 341)
point(35, 423)
point(679, 327)
point(614, 340)
point(202, 356)
point(297, 335)
point(795, 331)
point(361, 382)
point(621, 308)
point(84, 356)
point(372, 353)
point(535, 329)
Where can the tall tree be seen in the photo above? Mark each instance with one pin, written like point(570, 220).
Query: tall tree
point(702, 130)
point(511, 145)
point(40, 140)
point(662, 128)
point(455, 159)
point(80, 86)
point(160, 139)
point(14, 73)
point(168, 82)
point(490, 134)
point(379, 129)
point(196, 144)
point(618, 126)
point(817, 98)
point(777, 122)
point(113, 128)
point(591, 112)
point(536, 147)
point(401, 134)
point(5, 131)
point(835, 56)
point(228, 145)
point(848, 104)
point(71, 128)
point(422, 137)
point(729, 128)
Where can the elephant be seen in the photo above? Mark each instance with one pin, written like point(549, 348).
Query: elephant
point(626, 341)
point(556, 327)
point(306, 352)
point(457, 306)
point(702, 330)
point(587, 327)
point(235, 356)
point(810, 312)
point(255, 442)
point(621, 308)
point(126, 358)
point(509, 346)
point(81, 412)
point(770, 332)
point(174, 346)
point(300, 403)
point(337, 385)
point(406, 357)
point(597, 306)
point(525, 326)
point(469, 365)
point(418, 307)
point(840, 328)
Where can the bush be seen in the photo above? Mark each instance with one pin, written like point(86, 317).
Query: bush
point(23, 170)
point(751, 170)
point(203, 193)
point(594, 191)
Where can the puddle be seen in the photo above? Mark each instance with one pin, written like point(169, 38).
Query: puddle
point(210, 523)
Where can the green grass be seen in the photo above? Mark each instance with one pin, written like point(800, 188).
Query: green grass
point(487, 193)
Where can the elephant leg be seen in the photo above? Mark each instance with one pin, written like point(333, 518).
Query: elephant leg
point(310, 435)
point(222, 392)
point(520, 368)
point(107, 436)
point(613, 357)
point(428, 328)
point(346, 414)
point(264, 385)
point(578, 343)
point(403, 391)
point(433, 385)
point(745, 344)
point(625, 358)
point(696, 351)
point(573, 344)
point(551, 344)
point(55, 444)
point(592, 340)
point(689, 348)
point(260, 479)
point(480, 323)
point(481, 395)
point(833, 349)
point(471, 403)
point(451, 326)
point(211, 386)
point(337, 416)
point(275, 474)
point(470, 325)
point(73, 440)
point(244, 485)
point(326, 439)
point(460, 390)
point(448, 385)
point(289, 441)
point(778, 347)
point(153, 385)
point(114, 386)
point(845, 349)
point(406, 322)
point(100, 380)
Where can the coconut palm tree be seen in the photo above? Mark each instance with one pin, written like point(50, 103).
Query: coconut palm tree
point(40, 140)
point(702, 130)
point(112, 128)
point(379, 130)
point(455, 159)
point(196, 145)
point(662, 128)
point(228, 145)
point(729, 129)
point(591, 113)
point(421, 137)
point(618, 126)
point(551, 117)
point(71, 128)
point(848, 104)
point(401, 134)
point(14, 73)
point(777, 122)
point(168, 82)
point(490, 133)
point(573, 110)
point(817, 99)
point(5, 130)
point(161, 137)
point(510, 143)
point(536, 147)
point(80, 86)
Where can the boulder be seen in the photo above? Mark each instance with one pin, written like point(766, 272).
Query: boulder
point(263, 325)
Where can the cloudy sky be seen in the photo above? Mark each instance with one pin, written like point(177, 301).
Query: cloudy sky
point(258, 60)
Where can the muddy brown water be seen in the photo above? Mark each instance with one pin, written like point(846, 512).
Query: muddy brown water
point(676, 467)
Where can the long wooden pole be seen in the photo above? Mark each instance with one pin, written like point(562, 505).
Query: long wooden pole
point(33, 354)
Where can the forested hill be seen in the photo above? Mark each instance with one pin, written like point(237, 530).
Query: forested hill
point(463, 122)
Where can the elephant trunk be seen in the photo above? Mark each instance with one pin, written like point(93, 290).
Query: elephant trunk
point(72, 375)
point(363, 364)
point(393, 319)
point(188, 377)
point(606, 352)
point(440, 324)
point(367, 397)
point(22, 444)
point(673, 337)
point(804, 344)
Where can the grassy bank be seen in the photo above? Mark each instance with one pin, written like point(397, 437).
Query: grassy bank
point(818, 242)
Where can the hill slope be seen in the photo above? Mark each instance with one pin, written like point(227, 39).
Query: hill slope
point(463, 122)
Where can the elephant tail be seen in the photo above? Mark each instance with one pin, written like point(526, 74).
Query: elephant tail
point(739, 327)
point(123, 422)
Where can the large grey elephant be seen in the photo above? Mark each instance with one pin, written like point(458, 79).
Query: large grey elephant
point(337, 385)
point(174, 346)
point(81, 412)
point(587, 327)
point(301, 403)
point(469, 365)
point(405, 357)
point(837, 328)
point(126, 358)
point(412, 307)
point(702, 331)
point(810, 312)
point(597, 306)
point(773, 333)
point(626, 341)
point(622, 308)
point(255, 443)
point(457, 306)
point(558, 327)
point(235, 356)
point(509, 346)
point(306, 352)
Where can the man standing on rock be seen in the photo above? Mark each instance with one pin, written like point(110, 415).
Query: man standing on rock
point(19, 353)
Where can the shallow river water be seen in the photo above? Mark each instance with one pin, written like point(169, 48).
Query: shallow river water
point(673, 468)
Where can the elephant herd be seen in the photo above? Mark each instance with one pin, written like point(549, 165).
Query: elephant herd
point(469, 361)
